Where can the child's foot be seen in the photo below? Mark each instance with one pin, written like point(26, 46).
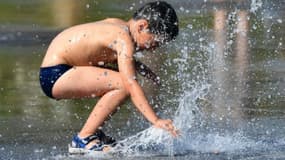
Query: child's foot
point(96, 142)
point(107, 140)
point(91, 143)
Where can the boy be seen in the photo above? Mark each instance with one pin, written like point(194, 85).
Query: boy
point(73, 67)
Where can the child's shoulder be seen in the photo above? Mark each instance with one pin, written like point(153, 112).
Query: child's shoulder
point(117, 24)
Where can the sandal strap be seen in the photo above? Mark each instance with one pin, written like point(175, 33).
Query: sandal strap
point(81, 143)
point(97, 147)
point(89, 139)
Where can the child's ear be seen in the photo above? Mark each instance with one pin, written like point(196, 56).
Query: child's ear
point(142, 25)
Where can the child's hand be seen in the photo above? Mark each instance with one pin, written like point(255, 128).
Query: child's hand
point(167, 125)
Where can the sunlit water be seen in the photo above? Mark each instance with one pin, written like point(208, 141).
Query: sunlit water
point(223, 85)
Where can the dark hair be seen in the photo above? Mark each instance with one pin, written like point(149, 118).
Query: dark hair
point(161, 17)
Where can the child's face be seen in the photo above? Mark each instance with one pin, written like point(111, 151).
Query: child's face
point(147, 41)
point(143, 37)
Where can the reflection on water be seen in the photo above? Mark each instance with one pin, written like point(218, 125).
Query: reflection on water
point(230, 78)
point(67, 15)
point(229, 59)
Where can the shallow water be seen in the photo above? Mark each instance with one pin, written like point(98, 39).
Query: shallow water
point(223, 83)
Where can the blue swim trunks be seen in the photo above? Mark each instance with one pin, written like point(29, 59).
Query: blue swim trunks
point(49, 75)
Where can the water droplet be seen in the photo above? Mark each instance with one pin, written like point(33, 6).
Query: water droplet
point(139, 54)
point(101, 63)
point(190, 26)
point(38, 150)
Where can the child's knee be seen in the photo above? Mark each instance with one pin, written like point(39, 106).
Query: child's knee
point(124, 91)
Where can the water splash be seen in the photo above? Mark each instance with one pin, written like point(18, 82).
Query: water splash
point(153, 141)
point(192, 76)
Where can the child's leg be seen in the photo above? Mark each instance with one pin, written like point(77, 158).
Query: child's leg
point(88, 82)
point(104, 107)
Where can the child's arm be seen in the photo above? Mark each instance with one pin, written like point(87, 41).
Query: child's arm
point(145, 71)
point(141, 68)
point(126, 63)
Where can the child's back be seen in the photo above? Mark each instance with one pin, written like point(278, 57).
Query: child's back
point(86, 44)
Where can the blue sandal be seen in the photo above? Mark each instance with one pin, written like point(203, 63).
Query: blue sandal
point(103, 142)
point(82, 143)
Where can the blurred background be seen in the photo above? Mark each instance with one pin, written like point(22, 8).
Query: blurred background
point(236, 48)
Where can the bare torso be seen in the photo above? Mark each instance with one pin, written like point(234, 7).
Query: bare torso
point(84, 45)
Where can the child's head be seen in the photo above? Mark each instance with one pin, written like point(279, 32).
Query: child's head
point(161, 20)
